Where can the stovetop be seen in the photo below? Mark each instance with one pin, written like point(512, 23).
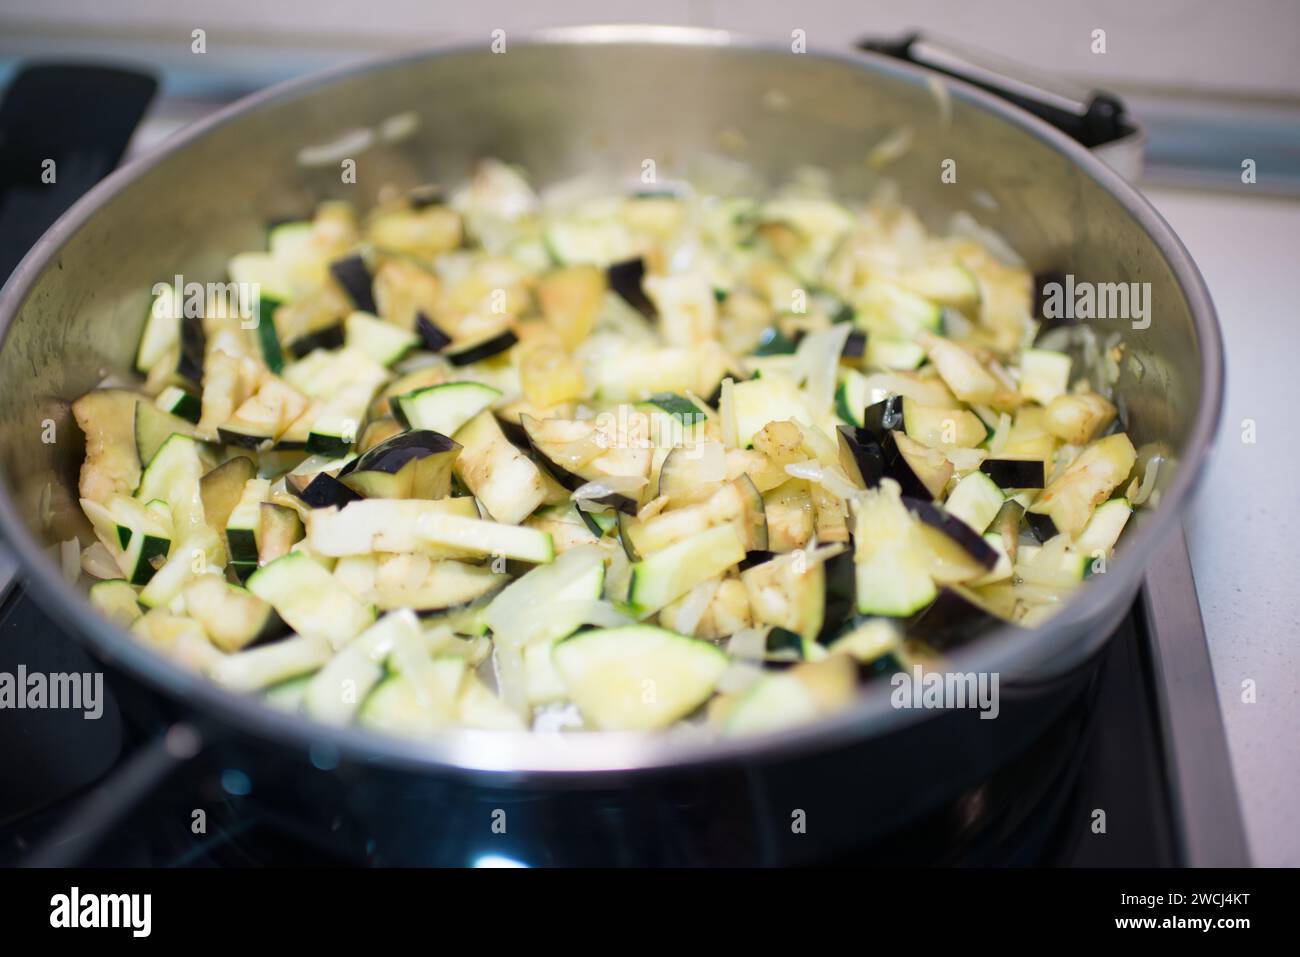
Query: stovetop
point(1112, 752)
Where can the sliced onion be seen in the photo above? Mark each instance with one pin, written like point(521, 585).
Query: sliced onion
point(818, 359)
point(1148, 480)
point(748, 643)
point(831, 478)
point(98, 562)
point(695, 604)
point(964, 224)
point(70, 560)
point(881, 385)
point(727, 412)
point(627, 485)
point(964, 460)
point(739, 676)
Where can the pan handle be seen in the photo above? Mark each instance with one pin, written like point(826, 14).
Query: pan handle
point(1094, 118)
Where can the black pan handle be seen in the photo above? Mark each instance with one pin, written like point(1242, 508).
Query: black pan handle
point(1092, 117)
point(63, 128)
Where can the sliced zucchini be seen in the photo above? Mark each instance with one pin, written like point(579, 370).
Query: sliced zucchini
point(1104, 528)
point(669, 574)
point(480, 537)
point(443, 408)
point(117, 600)
point(245, 520)
point(233, 617)
point(868, 640)
point(153, 427)
point(271, 664)
point(309, 599)
point(790, 698)
point(162, 330)
point(887, 309)
point(851, 397)
point(637, 677)
point(380, 340)
point(178, 402)
point(174, 475)
point(886, 353)
point(379, 525)
point(336, 692)
point(975, 500)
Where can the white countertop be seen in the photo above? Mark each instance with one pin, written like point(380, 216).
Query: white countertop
point(1243, 529)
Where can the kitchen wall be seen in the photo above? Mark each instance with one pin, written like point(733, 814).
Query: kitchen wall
point(1246, 47)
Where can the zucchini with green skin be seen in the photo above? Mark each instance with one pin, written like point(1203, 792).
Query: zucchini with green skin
point(182, 404)
point(443, 408)
point(245, 521)
point(308, 598)
point(271, 664)
point(379, 525)
point(174, 475)
point(336, 692)
point(637, 677)
point(893, 573)
point(425, 585)
point(672, 572)
point(116, 600)
point(381, 341)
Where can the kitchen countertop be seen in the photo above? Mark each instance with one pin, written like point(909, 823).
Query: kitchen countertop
point(1243, 527)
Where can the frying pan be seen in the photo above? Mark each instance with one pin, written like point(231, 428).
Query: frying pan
point(560, 103)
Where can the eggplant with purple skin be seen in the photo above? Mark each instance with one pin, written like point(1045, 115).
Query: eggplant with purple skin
point(625, 279)
point(920, 473)
point(946, 533)
point(433, 337)
point(353, 275)
point(320, 490)
point(483, 349)
point(956, 617)
point(409, 465)
point(861, 457)
point(1014, 473)
point(550, 461)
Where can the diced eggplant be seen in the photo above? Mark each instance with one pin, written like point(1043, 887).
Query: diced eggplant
point(506, 481)
point(549, 455)
point(1042, 526)
point(788, 592)
point(222, 487)
point(861, 456)
point(975, 500)
point(112, 463)
point(279, 529)
point(320, 490)
point(625, 278)
point(353, 275)
point(956, 617)
point(414, 464)
point(431, 334)
point(855, 346)
point(1014, 473)
point(1071, 496)
point(953, 533)
point(464, 354)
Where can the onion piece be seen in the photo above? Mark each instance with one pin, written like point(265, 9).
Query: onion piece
point(98, 562)
point(727, 412)
point(627, 485)
point(750, 643)
point(695, 604)
point(818, 360)
point(830, 477)
point(70, 560)
point(739, 676)
point(1148, 480)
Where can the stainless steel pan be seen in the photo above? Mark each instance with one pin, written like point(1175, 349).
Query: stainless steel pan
point(560, 103)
